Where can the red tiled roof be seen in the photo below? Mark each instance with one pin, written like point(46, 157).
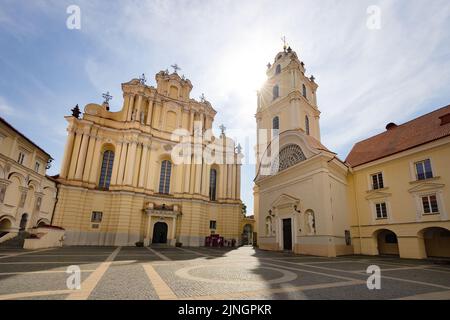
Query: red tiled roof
point(411, 134)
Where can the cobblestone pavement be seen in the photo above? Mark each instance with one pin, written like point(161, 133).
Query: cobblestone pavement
point(209, 273)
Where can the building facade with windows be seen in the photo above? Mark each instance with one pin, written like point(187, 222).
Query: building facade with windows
point(390, 196)
point(142, 174)
point(399, 189)
point(27, 195)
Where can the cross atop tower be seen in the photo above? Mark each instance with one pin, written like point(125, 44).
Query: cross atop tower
point(175, 67)
point(222, 129)
point(284, 43)
point(107, 97)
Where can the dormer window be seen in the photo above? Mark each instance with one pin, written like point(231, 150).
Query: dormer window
point(278, 69)
point(276, 92)
point(279, 56)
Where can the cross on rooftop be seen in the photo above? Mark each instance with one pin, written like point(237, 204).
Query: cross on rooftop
point(107, 97)
point(284, 42)
point(175, 67)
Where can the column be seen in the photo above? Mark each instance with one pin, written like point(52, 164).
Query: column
point(191, 123)
point(67, 153)
point(130, 107)
point(82, 155)
point(224, 181)
point(89, 158)
point(187, 176)
point(122, 163)
point(94, 172)
point(116, 163)
point(143, 166)
point(151, 170)
point(149, 112)
point(192, 178)
point(74, 156)
point(131, 156)
point(238, 181)
point(138, 108)
point(233, 181)
point(156, 114)
point(205, 180)
point(229, 180)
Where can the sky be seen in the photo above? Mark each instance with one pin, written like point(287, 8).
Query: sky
point(370, 72)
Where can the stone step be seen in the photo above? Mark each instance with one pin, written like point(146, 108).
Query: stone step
point(16, 242)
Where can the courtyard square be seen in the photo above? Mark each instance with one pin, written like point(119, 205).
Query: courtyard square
point(211, 273)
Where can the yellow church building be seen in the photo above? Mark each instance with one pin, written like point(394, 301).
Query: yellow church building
point(124, 178)
point(390, 196)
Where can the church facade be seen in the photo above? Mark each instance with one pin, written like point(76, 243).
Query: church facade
point(390, 196)
point(125, 179)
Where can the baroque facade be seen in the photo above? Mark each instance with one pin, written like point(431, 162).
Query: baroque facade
point(124, 178)
point(27, 195)
point(390, 196)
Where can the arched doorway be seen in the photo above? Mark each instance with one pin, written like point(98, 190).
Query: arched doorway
point(23, 222)
point(160, 232)
point(387, 242)
point(437, 242)
point(5, 225)
point(247, 235)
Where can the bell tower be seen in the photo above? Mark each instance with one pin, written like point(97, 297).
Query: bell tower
point(287, 100)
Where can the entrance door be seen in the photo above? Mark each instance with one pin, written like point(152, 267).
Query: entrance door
point(287, 234)
point(160, 233)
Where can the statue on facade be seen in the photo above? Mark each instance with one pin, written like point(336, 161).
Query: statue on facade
point(76, 112)
point(311, 221)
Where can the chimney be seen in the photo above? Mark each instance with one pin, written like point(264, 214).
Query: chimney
point(391, 126)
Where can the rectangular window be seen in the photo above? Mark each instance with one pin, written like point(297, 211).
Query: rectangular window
point(430, 204)
point(377, 181)
point(21, 157)
point(96, 216)
point(423, 170)
point(36, 166)
point(381, 210)
point(212, 224)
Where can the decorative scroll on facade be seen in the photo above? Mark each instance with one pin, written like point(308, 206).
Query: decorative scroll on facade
point(287, 157)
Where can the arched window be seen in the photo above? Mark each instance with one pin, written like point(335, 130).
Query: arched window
point(276, 123)
point(307, 125)
point(212, 184)
point(304, 90)
point(105, 173)
point(164, 178)
point(278, 69)
point(287, 157)
point(276, 92)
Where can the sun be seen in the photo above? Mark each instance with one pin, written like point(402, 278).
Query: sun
point(242, 71)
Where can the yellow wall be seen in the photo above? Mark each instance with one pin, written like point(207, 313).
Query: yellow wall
point(402, 193)
point(141, 137)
